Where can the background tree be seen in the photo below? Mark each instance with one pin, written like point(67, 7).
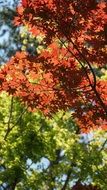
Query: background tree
point(9, 34)
point(37, 152)
point(13, 38)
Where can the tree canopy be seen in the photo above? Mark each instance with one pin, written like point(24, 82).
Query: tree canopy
point(54, 119)
point(63, 75)
point(38, 152)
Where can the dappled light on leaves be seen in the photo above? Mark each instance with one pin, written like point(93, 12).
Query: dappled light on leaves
point(38, 152)
point(53, 98)
point(61, 74)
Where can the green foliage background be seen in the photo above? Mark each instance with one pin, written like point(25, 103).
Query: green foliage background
point(37, 152)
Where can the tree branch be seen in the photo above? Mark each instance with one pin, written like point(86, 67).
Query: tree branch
point(103, 145)
point(67, 179)
point(9, 120)
point(93, 86)
point(10, 129)
point(51, 166)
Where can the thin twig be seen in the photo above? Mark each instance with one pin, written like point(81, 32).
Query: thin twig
point(103, 145)
point(93, 86)
point(9, 120)
point(10, 129)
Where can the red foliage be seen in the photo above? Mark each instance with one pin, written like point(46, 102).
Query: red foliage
point(62, 78)
point(79, 186)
